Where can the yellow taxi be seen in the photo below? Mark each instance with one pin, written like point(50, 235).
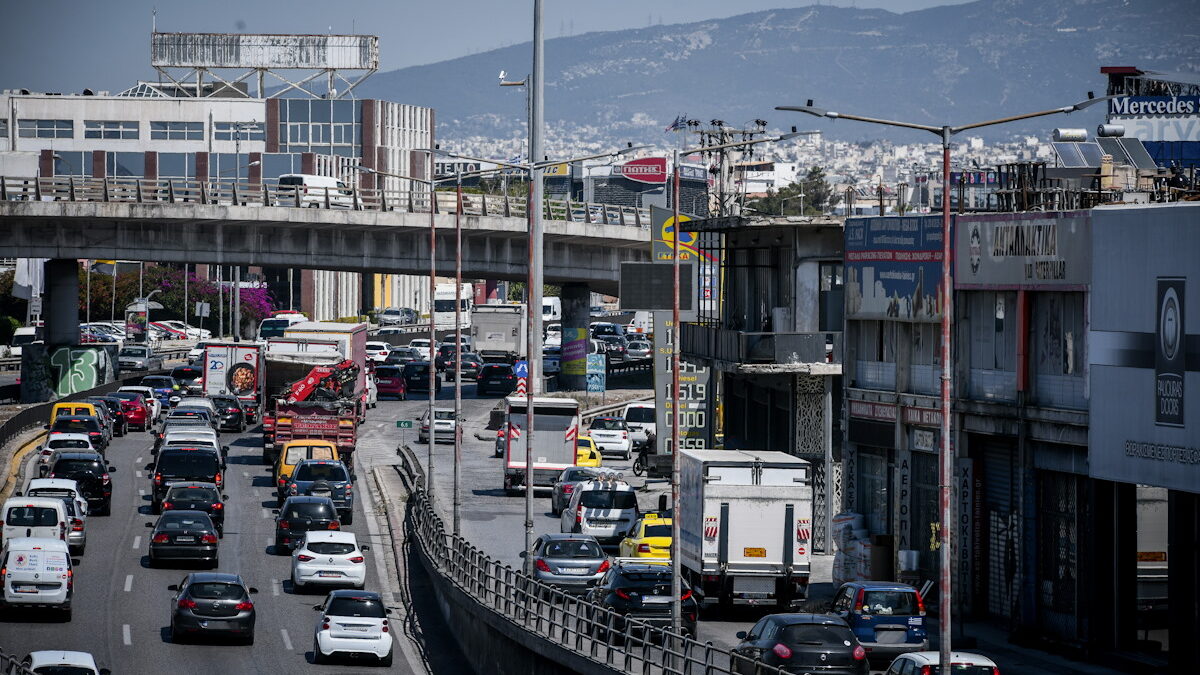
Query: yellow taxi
point(297, 451)
point(586, 453)
point(72, 408)
point(650, 537)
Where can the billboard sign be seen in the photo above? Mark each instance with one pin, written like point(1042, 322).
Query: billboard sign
point(1026, 250)
point(597, 373)
point(574, 351)
point(136, 323)
point(694, 382)
point(893, 268)
point(650, 170)
point(1156, 106)
point(1142, 347)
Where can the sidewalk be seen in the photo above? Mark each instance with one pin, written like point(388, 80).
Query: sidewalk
point(993, 643)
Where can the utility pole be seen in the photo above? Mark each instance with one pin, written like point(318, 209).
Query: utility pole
point(534, 307)
point(880, 188)
point(458, 354)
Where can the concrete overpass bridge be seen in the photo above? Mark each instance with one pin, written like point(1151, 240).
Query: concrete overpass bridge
point(355, 230)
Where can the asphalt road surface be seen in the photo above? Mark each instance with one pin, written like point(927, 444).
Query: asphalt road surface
point(122, 607)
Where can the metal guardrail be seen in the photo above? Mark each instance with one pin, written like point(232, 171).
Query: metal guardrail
point(631, 366)
point(10, 664)
point(14, 362)
point(232, 192)
point(598, 634)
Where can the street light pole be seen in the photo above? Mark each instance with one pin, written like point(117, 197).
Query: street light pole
point(945, 457)
point(458, 351)
point(432, 331)
point(534, 307)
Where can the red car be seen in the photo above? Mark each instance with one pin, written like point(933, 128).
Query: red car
point(390, 381)
point(137, 411)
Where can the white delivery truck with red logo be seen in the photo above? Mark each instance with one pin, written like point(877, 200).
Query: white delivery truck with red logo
point(236, 368)
point(745, 526)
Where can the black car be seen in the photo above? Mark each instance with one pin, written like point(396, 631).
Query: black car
point(471, 364)
point(211, 603)
point(496, 378)
point(184, 535)
point(798, 643)
point(81, 424)
point(183, 464)
point(119, 424)
point(400, 356)
point(188, 377)
point(325, 478)
point(444, 353)
point(615, 347)
point(640, 591)
point(231, 414)
point(89, 470)
point(416, 377)
point(197, 496)
point(302, 514)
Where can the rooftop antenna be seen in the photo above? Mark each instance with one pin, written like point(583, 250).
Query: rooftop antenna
point(153, 20)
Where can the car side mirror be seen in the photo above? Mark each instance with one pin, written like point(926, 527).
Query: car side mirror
point(46, 426)
point(149, 524)
point(112, 469)
point(388, 610)
point(364, 548)
point(17, 494)
point(105, 671)
point(148, 467)
point(253, 589)
point(40, 448)
point(224, 496)
point(275, 511)
point(225, 448)
point(741, 635)
point(173, 587)
point(318, 608)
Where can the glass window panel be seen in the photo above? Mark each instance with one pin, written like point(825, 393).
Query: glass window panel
point(344, 111)
point(318, 133)
point(321, 111)
point(276, 165)
point(343, 151)
point(297, 110)
point(126, 164)
point(3, 128)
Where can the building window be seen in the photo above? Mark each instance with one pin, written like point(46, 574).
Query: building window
point(993, 347)
point(177, 165)
point(3, 128)
point(177, 131)
point(45, 129)
point(233, 131)
point(72, 163)
point(127, 164)
point(110, 130)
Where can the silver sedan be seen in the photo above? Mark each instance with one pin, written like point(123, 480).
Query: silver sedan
point(566, 483)
point(570, 562)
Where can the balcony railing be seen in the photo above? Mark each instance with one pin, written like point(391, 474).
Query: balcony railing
point(733, 346)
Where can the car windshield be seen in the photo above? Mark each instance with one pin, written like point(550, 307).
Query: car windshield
point(414, 370)
point(443, 414)
point(608, 424)
point(64, 670)
point(311, 510)
point(815, 634)
point(639, 345)
point(186, 373)
point(298, 453)
point(890, 602)
point(216, 591)
point(608, 499)
point(658, 582)
point(158, 382)
point(331, 547)
point(273, 328)
point(225, 401)
point(641, 415)
point(183, 521)
point(332, 472)
point(387, 371)
point(77, 465)
point(572, 548)
point(658, 531)
point(580, 475)
point(66, 443)
point(188, 463)
point(31, 516)
point(193, 494)
point(75, 426)
point(960, 669)
point(134, 351)
point(370, 608)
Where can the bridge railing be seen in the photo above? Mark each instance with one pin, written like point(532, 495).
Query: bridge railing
point(234, 192)
point(598, 634)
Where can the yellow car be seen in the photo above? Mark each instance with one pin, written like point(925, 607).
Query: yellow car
point(586, 453)
point(649, 538)
point(297, 451)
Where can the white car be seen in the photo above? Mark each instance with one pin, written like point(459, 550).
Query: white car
point(421, 347)
point(378, 351)
point(924, 662)
point(63, 441)
point(611, 436)
point(191, 331)
point(640, 418)
point(444, 426)
point(59, 661)
point(151, 399)
point(327, 557)
point(353, 622)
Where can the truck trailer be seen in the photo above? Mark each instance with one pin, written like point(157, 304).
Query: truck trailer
point(556, 425)
point(499, 332)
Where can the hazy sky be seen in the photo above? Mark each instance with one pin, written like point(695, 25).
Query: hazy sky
point(67, 45)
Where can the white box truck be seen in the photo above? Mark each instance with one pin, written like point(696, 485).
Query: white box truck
point(556, 425)
point(745, 526)
point(236, 368)
point(499, 332)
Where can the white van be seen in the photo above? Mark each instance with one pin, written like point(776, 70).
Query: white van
point(22, 337)
point(605, 508)
point(313, 191)
point(551, 308)
point(37, 573)
point(43, 517)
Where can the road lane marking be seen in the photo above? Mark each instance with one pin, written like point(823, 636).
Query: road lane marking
point(246, 474)
point(275, 587)
point(138, 474)
point(267, 514)
point(142, 491)
point(139, 459)
point(287, 641)
point(128, 582)
point(125, 636)
point(137, 540)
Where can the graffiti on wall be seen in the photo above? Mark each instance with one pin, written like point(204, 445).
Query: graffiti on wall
point(52, 372)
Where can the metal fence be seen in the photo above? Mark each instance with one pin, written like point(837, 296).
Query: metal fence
point(600, 635)
point(234, 192)
point(10, 664)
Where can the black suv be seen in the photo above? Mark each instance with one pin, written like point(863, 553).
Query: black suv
point(230, 413)
point(197, 496)
point(188, 377)
point(113, 404)
point(90, 472)
point(325, 478)
point(496, 377)
point(416, 377)
point(798, 642)
point(299, 515)
point(183, 464)
point(640, 591)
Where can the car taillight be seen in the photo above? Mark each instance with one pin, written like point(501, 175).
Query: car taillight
point(643, 548)
point(94, 433)
point(781, 650)
point(218, 479)
point(686, 595)
point(624, 434)
point(293, 490)
point(76, 525)
point(282, 481)
point(335, 525)
point(70, 579)
point(324, 623)
point(244, 606)
point(926, 670)
point(283, 525)
point(186, 603)
point(167, 506)
point(541, 565)
point(603, 567)
point(218, 506)
point(858, 600)
point(104, 478)
point(160, 539)
point(995, 670)
point(304, 557)
point(385, 625)
point(358, 559)
point(579, 516)
point(622, 593)
point(920, 604)
point(50, 475)
point(158, 479)
point(347, 488)
point(208, 539)
point(860, 653)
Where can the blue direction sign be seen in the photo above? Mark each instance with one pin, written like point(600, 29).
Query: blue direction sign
point(521, 369)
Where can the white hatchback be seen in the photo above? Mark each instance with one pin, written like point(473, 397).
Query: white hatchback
point(378, 351)
point(353, 622)
point(327, 557)
point(63, 441)
point(961, 663)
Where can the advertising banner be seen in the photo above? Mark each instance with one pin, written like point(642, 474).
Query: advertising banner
point(136, 324)
point(574, 351)
point(1025, 250)
point(597, 373)
point(893, 268)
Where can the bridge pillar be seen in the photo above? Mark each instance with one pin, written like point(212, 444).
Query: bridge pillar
point(576, 308)
point(61, 306)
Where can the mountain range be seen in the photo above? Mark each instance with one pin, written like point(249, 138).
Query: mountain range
point(950, 64)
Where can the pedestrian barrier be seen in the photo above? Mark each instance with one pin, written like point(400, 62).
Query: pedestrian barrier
point(585, 632)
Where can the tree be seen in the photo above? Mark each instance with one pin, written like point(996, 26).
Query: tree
point(811, 195)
